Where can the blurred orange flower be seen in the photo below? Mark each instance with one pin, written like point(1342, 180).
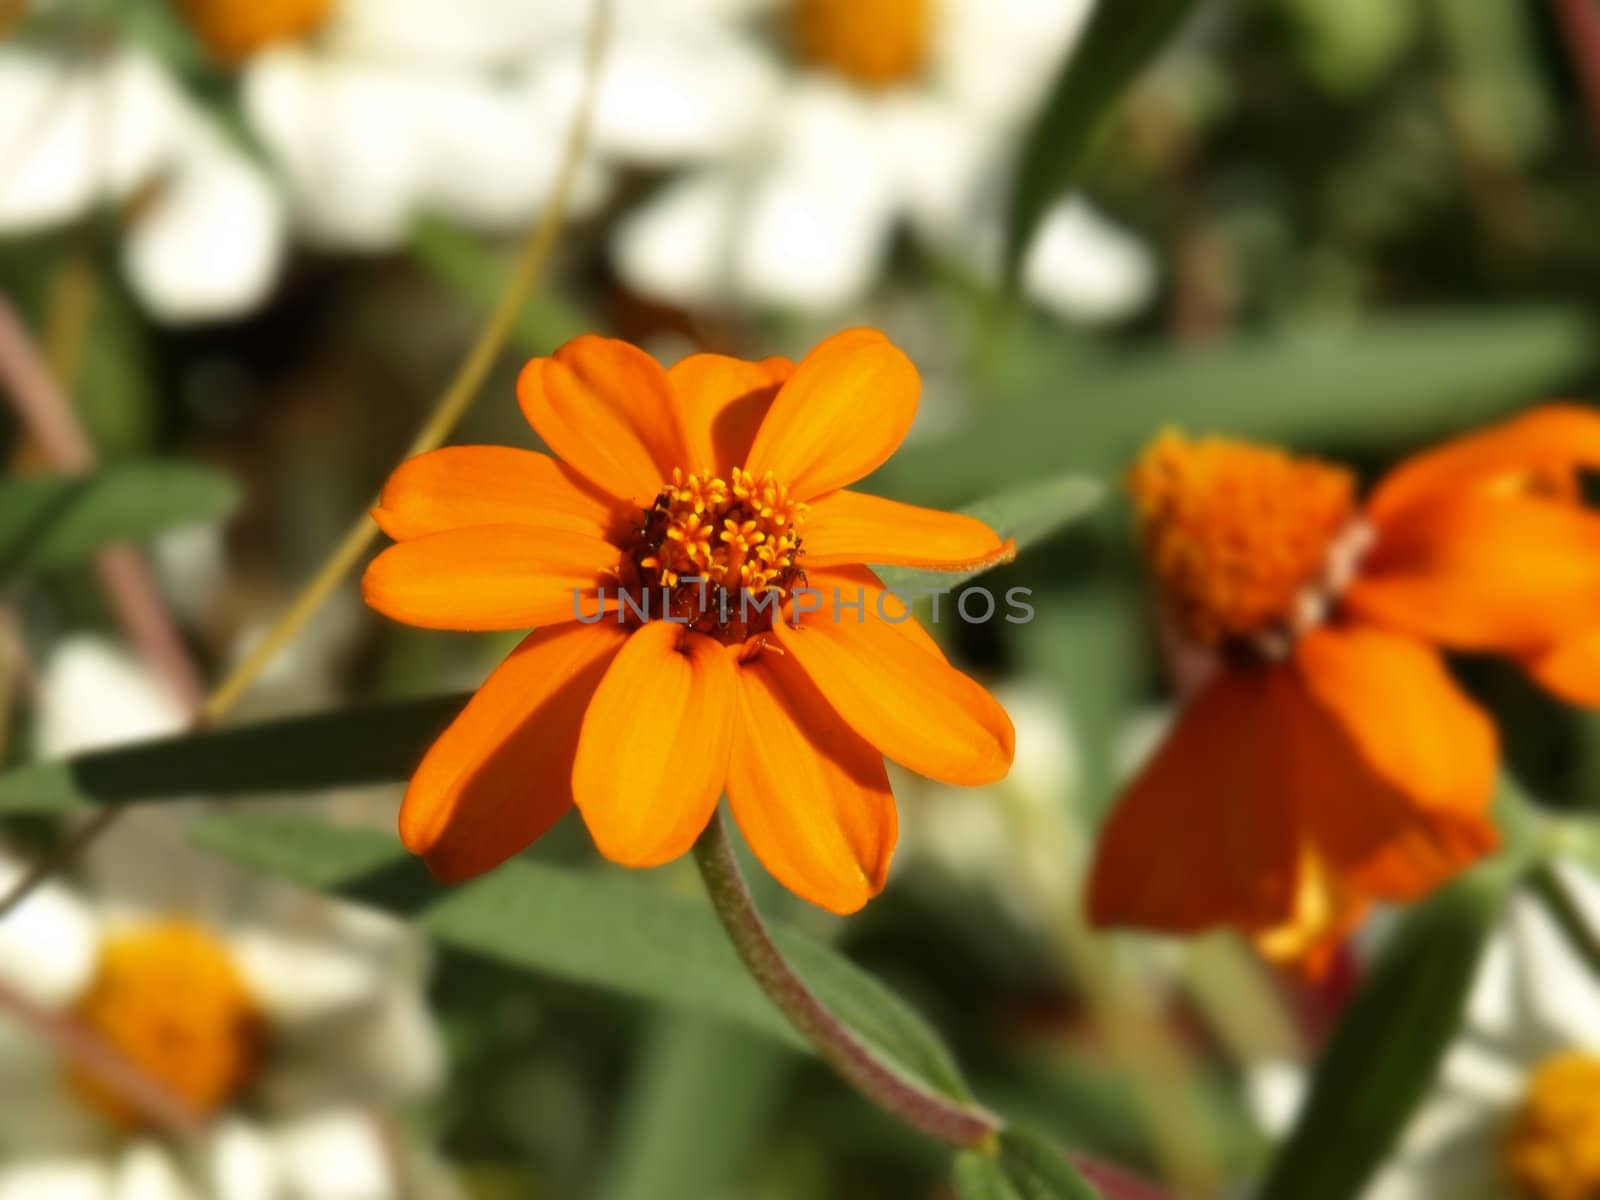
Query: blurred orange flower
point(1329, 759)
point(685, 506)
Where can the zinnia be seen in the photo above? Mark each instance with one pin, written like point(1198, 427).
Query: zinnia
point(678, 491)
point(1330, 759)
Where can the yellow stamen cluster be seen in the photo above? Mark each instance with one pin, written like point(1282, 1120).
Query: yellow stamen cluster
point(1241, 539)
point(737, 535)
point(233, 30)
point(168, 999)
point(873, 42)
point(1551, 1149)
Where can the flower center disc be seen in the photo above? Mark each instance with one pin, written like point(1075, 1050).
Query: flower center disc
point(718, 554)
point(233, 30)
point(169, 999)
point(1551, 1149)
point(1245, 542)
point(873, 42)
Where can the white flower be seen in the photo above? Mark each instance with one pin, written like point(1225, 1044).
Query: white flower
point(395, 108)
point(902, 112)
point(302, 1023)
point(299, 1028)
point(1513, 1112)
point(203, 233)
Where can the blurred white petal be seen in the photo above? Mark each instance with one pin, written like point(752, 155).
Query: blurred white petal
point(239, 1162)
point(297, 980)
point(1492, 1008)
point(1275, 1089)
point(1477, 1076)
point(147, 1172)
point(209, 241)
point(677, 246)
point(76, 134)
point(52, 1179)
point(1083, 267)
point(340, 134)
point(692, 95)
point(939, 157)
point(813, 242)
point(1448, 1149)
point(1045, 768)
point(461, 32)
point(1561, 996)
point(819, 222)
point(336, 1155)
point(49, 945)
point(93, 694)
point(491, 155)
point(997, 57)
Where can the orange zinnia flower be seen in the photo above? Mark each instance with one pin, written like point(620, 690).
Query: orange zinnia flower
point(687, 494)
point(1330, 759)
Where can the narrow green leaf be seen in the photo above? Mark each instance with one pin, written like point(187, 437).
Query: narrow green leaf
point(1039, 1170)
point(376, 744)
point(977, 1177)
point(53, 520)
point(1121, 39)
point(1027, 514)
point(1384, 1055)
point(604, 928)
point(1382, 384)
point(694, 1075)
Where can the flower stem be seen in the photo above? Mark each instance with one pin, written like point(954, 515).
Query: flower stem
point(912, 1103)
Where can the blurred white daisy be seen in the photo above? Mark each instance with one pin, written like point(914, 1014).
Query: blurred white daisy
point(290, 1038)
point(378, 111)
point(1514, 1113)
point(895, 112)
point(290, 1027)
point(84, 129)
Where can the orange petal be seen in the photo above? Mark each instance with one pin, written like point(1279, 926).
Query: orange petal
point(1204, 836)
point(1397, 766)
point(842, 414)
point(812, 798)
point(886, 682)
point(723, 401)
point(502, 773)
point(1570, 670)
point(1485, 571)
point(490, 577)
point(852, 527)
point(1546, 443)
point(462, 486)
point(653, 754)
point(608, 410)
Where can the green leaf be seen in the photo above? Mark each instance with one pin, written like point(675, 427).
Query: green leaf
point(1385, 383)
point(53, 520)
point(977, 1177)
point(1038, 1170)
point(376, 744)
point(693, 1075)
point(1384, 1055)
point(1027, 514)
point(604, 928)
point(1121, 39)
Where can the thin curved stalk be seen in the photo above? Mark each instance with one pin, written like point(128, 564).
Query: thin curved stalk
point(908, 1101)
